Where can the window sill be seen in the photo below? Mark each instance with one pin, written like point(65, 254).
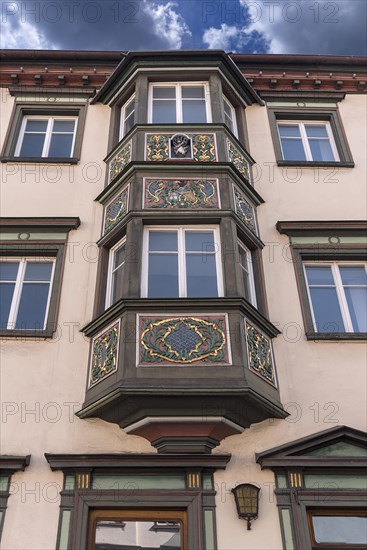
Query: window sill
point(39, 160)
point(336, 335)
point(311, 164)
point(21, 334)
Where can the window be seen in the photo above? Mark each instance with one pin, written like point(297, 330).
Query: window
point(230, 116)
point(25, 288)
point(245, 260)
point(311, 141)
point(311, 136)
point(181, 262)
point(46, 137)
point(115, 273)
point(127, 116)
point(338, 296)
point(179, 103)
point(346, 527)
point(45, 134)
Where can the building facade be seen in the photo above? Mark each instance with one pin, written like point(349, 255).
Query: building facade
point(184, 293)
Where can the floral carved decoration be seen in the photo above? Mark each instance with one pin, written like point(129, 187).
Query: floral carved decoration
point(118, 163)
point(260, 359)
point(116, 210)
point(104, 354)
point(244, 210)
point(183, 340)
point(238, 160)
point(168, 193)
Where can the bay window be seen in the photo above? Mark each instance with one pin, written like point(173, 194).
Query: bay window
point(181, 262)
point(173, 103)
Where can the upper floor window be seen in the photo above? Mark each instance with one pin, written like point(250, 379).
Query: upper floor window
point(230, 116)
point(127, 116)
point(307, 141)
point(46, 136)
point(245, 260)
point(25, 290)
point(175, 103)
point(182, 262)
point(115, 272)
point(338, 296)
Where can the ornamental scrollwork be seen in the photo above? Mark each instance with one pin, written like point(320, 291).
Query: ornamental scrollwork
point(238, 160)
point(168, 193)
point(260, 359)
point(244, 210)
point(118, 163)
point(104, 355)
point(116, 210)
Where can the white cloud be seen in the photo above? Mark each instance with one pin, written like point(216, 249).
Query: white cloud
point(168, 23)
point(24, 36)
point(220, 39)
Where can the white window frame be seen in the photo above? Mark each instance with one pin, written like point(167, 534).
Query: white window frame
point(48, 133)
point(339, 288)
point(181, 252)
point(17, 293)
point(305, 140)
point(122, 132)
point(233, 116)
point(178, 86)
point(110, 271)
point(252, 289)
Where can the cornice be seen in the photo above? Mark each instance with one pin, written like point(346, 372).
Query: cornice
point(11, 463)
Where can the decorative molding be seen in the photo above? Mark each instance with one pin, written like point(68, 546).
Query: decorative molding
point(183, 340)
point(12, 463)
point(343, 227)
point(119, 161)
point(116, 209)
point(191, 194)
point(104, 354)
point(54, 224)
point(245, 210)
point(259, 354)
point(238, 160)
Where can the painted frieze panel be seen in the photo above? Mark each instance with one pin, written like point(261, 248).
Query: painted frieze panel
point(244, 210)
point(185, 193)
point(183, 340)
point(259, 353)
point(104, 354)
point(116, 209)
point(198, 147)
point(119, 161)
point(238, 160)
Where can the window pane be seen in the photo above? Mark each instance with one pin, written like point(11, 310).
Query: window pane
point(38, 271)
point(60, 145)
point(326, 310)
point(164, 92)
point(193, 111)
point(64, 126)
point(199, 241)
point(340, 529)
point(163, 241)
point(321, 150)
point(116, 291)
point(201, 275)
point(36, 126)
point(293, 149)
point(129, 123)
point(357, 304)
point(194, 92)
point(289, 131)
point(353, 275)
point(119, 256)
point(8, 271)
point(316, 131)
point(32, 307)
point(6, 296)
point(319, 275)
point(32, 145)
point(137, 535)
point(164, 112)
point(228, 122)
point(163, 276)
point(130, 108)
point(227, 109)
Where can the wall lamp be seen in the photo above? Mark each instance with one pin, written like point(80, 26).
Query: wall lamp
point(247, 502)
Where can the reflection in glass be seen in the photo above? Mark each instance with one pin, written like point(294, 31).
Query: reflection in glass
point(137, 535)
point(340, 529)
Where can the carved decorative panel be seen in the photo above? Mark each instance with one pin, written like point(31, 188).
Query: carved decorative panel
point(186, 193)
point(119, 161)
point(183, 340)
point(238, 160)
point(260, 356)
point(116, 209)
point(244, 210)
point(104, 354)
point(198, 147)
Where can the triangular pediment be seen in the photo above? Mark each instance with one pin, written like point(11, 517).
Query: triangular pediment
point(340, 443)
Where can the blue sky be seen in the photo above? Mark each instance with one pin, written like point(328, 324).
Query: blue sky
point(334, 27)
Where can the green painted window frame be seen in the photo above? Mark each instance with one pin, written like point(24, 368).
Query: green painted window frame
point(330, 115)
point(21, 111)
